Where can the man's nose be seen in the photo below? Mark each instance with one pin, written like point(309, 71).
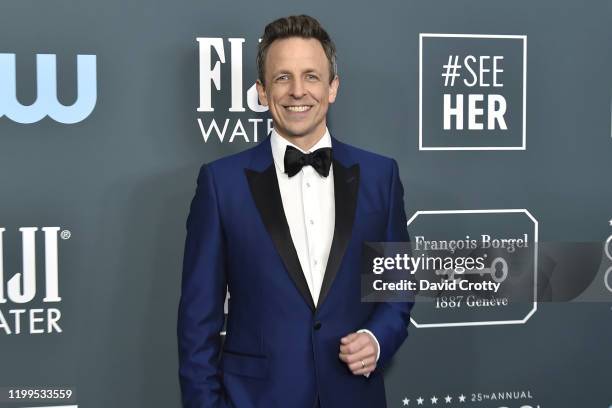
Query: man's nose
point(297, 88)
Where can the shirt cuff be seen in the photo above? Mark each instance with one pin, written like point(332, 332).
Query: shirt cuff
point(377, 345)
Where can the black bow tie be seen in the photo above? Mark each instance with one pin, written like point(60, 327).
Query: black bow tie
point(320, 160)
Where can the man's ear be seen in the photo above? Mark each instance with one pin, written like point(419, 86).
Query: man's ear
point(261, 92)
point(333, 89)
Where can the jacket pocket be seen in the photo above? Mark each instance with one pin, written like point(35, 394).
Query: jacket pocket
point(244, 364)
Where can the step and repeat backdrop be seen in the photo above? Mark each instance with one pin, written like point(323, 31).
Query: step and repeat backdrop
point(498, 114)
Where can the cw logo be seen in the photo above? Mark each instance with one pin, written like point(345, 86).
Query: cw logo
point(46, 101)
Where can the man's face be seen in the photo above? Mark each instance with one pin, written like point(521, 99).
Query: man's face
point(297, 88)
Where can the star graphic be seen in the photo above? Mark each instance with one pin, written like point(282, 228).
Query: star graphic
point(420, 401)
point(406, 401)
point(462, 398)
point(448, 399)
point(434, 400)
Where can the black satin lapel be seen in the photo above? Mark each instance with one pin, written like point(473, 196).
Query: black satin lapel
point(265, 191)
point(346, 186)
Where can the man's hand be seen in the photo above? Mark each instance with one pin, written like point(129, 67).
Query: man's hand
point(359, 351)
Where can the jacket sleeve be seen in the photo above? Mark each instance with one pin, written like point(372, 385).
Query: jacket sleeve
point(389, 321)
point(203, 288)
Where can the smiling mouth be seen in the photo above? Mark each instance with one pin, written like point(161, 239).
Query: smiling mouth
point(298, 108)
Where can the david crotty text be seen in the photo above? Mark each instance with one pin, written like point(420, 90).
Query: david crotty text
point(452, 285)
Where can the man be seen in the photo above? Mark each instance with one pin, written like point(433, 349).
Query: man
point(282, 226)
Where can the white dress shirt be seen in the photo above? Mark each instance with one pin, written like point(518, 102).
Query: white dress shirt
point(308, 201)
point(309, 206)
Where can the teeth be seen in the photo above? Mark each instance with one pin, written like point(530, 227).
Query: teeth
point(298, 108)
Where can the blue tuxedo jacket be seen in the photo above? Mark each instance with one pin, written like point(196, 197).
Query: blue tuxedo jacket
point(280, 349)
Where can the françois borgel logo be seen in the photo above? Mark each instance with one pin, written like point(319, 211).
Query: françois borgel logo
point(21, 310)
point(472, 92)
point(228, 111)
point(500, 285)
point(46, 91)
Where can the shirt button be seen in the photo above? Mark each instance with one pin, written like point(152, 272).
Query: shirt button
point(316, 263)
point(307, 184)
point(317, 325)
point(311, 222)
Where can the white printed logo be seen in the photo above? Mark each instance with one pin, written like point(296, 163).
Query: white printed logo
point(502, 292)
point(227, 128)
point(472, 92)
point(21, 287)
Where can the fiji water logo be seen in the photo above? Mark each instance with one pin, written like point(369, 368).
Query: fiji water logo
point(46, 103)
point(22, 286)
point(239, 120)
point(21, 310)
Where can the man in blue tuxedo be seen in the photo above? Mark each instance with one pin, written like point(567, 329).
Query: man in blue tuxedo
point(281, 226)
